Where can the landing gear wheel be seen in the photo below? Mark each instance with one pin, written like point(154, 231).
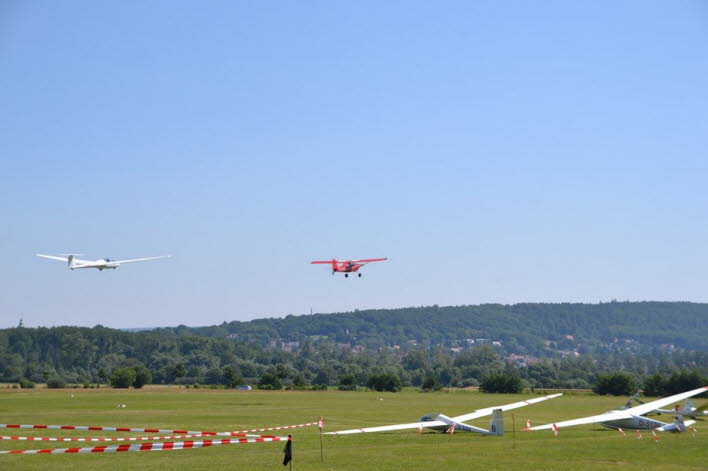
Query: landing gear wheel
point(346, 275)
point(359, 275)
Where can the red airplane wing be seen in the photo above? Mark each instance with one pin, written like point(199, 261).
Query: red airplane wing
point(323, 261)
point(367, 260)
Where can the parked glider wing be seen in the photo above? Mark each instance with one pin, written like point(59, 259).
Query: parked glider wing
point(650, 406)
point(388, 428)
point(438, 423)
point(626, 413)
point(617, 415)
point(515, 405)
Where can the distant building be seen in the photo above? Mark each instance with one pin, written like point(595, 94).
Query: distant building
point(522, 360)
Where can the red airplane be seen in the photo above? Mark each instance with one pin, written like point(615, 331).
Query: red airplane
point(349, 266)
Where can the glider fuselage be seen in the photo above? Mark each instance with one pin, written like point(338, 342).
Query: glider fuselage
point(634, 423)
point(459, 426)
point(101, 264)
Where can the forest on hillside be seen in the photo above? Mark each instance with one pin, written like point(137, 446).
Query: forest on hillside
point(546, 345)
point(527, 328)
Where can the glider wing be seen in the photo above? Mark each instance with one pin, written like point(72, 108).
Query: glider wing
point(489, 410)
point(387, 428)
point(139, 259)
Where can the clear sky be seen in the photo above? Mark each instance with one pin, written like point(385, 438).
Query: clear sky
point(500, 151)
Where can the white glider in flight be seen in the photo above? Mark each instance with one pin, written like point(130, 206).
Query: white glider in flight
point(101, 264)
point(444, 423)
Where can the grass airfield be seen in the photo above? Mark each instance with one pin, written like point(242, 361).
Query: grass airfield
point(577, 448)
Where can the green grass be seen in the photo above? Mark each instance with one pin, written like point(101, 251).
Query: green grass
point(577, 448)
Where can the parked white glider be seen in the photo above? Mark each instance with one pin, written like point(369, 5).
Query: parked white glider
point(632, 418)
point(101, 264)
point(687, 410)
point(443, 423)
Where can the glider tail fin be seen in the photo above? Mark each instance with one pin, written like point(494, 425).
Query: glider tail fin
point(678, 419)
point(689, 407)
point(70, 262)
point(496, 425)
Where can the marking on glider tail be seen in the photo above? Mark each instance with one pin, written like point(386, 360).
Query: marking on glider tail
point(496, 424)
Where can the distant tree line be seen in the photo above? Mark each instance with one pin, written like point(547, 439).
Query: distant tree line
point(539, 329)
point(423, 356)
point(625, 384)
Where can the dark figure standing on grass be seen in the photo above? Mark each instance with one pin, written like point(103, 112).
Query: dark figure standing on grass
point(288, 450)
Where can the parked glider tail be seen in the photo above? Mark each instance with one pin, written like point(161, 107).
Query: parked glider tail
point(496, 425)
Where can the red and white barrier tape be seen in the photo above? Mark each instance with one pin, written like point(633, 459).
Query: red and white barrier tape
point(152, 430)
point(282, 427)
point(104, 429)
point(125, 439)
point(149, 446)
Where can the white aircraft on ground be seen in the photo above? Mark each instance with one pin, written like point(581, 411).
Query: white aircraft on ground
point(687, 410)
point(444, 423)
point(632, 418)
point(101, 264)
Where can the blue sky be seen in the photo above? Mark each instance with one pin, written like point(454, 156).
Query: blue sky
point(494, 151)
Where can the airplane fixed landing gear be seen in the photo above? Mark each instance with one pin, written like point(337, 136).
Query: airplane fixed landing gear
point(346, 275)
point(359, 275)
